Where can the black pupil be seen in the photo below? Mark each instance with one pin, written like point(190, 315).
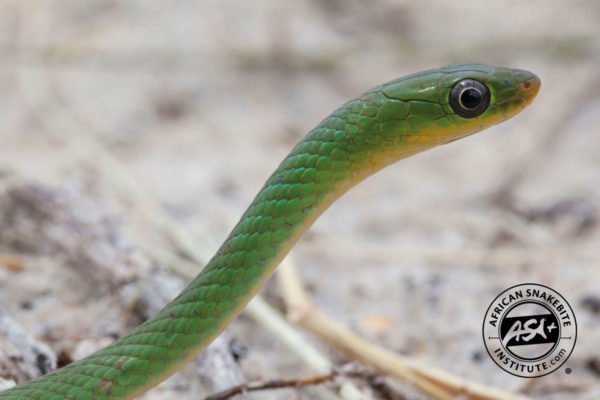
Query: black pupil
point(470, 98)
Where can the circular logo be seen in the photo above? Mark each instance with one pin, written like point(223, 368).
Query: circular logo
point(529, 330)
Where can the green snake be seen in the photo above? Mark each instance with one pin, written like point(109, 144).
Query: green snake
point(389, 122)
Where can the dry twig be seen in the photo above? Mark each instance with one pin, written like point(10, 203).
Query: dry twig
point(12, 262)
point(289, 383)
point(438, 383)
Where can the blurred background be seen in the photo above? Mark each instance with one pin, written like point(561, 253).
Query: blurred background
point(191, 104)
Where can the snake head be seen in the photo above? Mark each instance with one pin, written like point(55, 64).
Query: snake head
point(410, 115)
point(449, 103)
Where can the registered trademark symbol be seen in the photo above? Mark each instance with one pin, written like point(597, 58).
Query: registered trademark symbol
point(568, 371)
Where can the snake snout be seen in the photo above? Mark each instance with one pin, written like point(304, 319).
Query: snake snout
point(528, 86)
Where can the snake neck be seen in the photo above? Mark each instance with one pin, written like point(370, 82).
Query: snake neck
point(348, 146)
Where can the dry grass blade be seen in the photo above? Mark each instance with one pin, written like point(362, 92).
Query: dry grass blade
point(11, 261)
point(439, 384)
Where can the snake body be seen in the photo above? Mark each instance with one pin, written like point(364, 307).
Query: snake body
point(389, 122)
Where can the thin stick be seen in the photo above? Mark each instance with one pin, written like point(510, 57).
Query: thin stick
point(284, 383)
point(438, 383)
point(12, 262)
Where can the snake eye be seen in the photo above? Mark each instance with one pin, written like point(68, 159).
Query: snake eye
point(469, 98)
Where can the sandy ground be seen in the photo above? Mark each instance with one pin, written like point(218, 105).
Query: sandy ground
point(199, 101)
